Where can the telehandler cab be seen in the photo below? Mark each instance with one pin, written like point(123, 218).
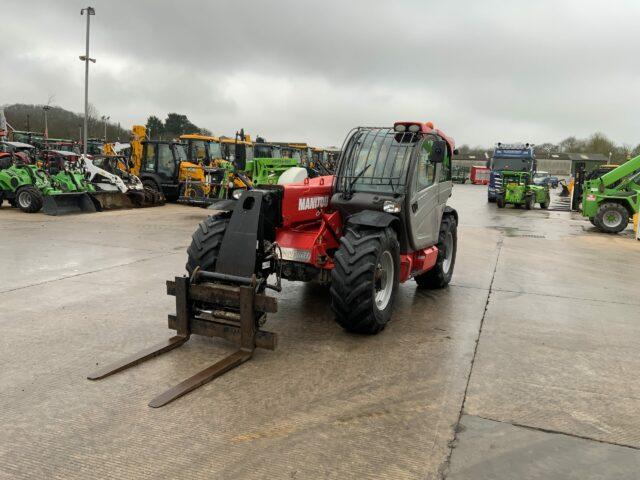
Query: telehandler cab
point(381, 220)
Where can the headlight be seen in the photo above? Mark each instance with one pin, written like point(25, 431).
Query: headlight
point(390, 206)
point(230, 185)
point(414, 128)
point(237, 193)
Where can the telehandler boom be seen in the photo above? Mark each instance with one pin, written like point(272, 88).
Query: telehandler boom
point(609, 201)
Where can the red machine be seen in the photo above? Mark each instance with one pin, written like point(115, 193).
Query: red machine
point(480, 175)
point(380, 221)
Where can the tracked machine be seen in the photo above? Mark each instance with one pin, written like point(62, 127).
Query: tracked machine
point(380, 221)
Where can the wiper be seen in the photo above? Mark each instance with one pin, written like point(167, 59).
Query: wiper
point(349, 191)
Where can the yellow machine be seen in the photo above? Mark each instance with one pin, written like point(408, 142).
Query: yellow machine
point(163, 165)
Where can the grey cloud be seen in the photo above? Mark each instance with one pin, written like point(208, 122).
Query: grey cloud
point(310, 70)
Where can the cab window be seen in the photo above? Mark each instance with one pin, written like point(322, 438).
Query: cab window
point(445, 170)
point(149, 161)
point(425, 169)
point(166, 165)
point(199, 151)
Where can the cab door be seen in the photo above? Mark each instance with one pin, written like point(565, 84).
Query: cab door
point(424, 199)
point(149, 158)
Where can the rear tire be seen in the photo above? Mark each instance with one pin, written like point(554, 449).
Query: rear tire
point(440, 275)
point(611, 217)
point(29, 199)
point(364, 282)
point(205, 244)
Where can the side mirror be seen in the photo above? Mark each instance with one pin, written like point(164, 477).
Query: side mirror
point(438, 151)
point(456, 152)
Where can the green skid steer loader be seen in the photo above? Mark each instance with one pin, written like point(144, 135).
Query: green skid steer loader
point(67, 177)
point(518, 190)
point(31, 189)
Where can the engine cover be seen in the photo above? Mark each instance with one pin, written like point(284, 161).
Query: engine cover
point(304, 201)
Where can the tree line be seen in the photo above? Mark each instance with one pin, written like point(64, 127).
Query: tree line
point(595, 143)
point(63, 123)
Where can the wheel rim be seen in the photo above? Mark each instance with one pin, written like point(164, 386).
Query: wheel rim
point(24, 199)
point(612, 219)
point(448, 252)
point(383, 280)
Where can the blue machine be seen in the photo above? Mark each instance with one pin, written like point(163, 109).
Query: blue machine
point(519, 157)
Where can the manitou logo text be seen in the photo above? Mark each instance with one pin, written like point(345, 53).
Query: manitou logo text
point(311, 203)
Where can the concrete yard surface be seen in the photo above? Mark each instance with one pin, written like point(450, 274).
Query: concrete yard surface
point(524, 367)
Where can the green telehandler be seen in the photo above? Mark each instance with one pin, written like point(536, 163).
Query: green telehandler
point(610, 200)
point(518, 190)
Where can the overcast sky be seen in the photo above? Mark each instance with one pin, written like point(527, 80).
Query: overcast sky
point(483, 71)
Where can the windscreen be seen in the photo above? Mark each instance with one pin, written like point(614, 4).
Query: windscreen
point(181, 152)
point(262, 151)
point(376, 160)
point(513, 164)
point(214, 150)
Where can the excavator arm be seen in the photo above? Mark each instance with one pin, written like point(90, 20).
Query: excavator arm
point(138, 134)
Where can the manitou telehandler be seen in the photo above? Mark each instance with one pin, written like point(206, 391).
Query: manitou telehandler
point(610, 200)
point(380, 221)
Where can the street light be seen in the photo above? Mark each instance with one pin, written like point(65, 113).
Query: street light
point(46, 108)
point(86, 59)
point(104, 119)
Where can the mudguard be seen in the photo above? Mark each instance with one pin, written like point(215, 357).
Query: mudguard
point(451, 211)
point(372, 218)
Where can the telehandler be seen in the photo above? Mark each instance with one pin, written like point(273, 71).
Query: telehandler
point(380, 221)
point(610, 200)
point(517, 189)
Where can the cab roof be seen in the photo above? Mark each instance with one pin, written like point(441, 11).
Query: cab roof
point(197, 136)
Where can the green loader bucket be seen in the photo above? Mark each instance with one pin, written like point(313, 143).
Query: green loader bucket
point(66, 203)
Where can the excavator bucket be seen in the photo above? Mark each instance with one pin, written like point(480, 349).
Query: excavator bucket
point(66, 203)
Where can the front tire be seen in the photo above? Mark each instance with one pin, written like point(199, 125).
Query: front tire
point(205, 244)
point(530, 202)
point(611, 217)
point(29, 199)
point(440, 275)
point(364, 282)
point(500, 202)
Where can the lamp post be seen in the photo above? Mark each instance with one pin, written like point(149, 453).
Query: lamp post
point(86, 59)
point(105, 118)
point(46, 108)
